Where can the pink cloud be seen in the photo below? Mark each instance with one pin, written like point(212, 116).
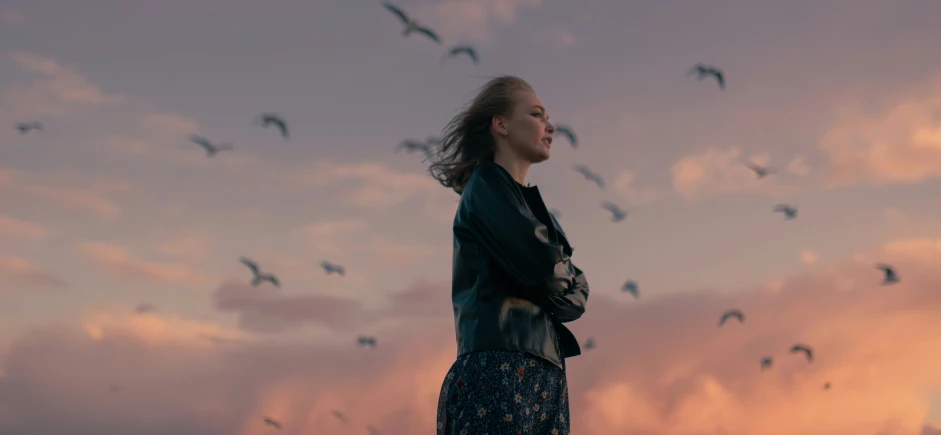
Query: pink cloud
point(13, 227)
point(16, 273)
point(120, 262)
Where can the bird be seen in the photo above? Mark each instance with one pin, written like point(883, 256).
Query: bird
point(732, 313)
point(790, 211)
point(702, 71)
point(115, 388)
point(805, 349)
point(340, 416)
point(25, 127)
point(766, 363)
point(890, 276)
point(364, 340)
point(569, 134)
point(617, 213)
point(372, 430)
point(760, 171)
point(258, 277)
point(332, 268)
point(590, 343)
point(144, 308)
point(826, 386)
point(630, 286)
point(410, 146)
point(211, 149)
point(269, 119)
point(410, 24)
point(272, 422)
point(466, 49)
point(589, 175)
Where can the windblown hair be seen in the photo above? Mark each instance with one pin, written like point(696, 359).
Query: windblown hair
point(467, 140)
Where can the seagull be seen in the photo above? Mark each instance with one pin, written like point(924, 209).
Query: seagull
point(790, 211)
point(258, 276)
point(25, 127)
point(568, 133)
point(802, 348)
point(269, 119)
point(272, 422)
point(211, 149)
point(466, 49)
point(631, 287)
point(364, 340)
point(589, 175)
point(826, 386)
point(332, 268)
point(766, 363)
point(410, 24)
point(890, 276)
point(590, 343)
point(339, 415)
point(411, 146)
point(732, 313)
point(617, 213)
point(760, 171)
point(702, 71)
point(144, 308)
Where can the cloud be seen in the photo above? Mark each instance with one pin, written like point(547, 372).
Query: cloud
point(13, 227)
point(186, 248)
point(90, 198)
point(624, 184)
point(120, 262)
point(661, 365)
point(809, 257)
point(896, 143)
point(56, 90)
point(472, 19)
point(721, 172)
point(16, 273)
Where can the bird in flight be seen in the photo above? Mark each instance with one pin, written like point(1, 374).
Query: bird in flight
point(890, 276)
point(211, 149)
point(589, 175)
point(569, 134)
point(617, 213)
point(766, 363)
point(410, 24)
point(590, 343)
point(760, 171)
point(259, 277)
point(365, 340)
point(273, 423)
point(340, 416)
point(372, 430)
point(269, 119)
point(332, 268)
point(702, 71)
point(826, 386)
point(116, 388)
point(630, 286)
point(465, 49)
point(808, 352)
point(25, 127)
point(410, 146)
point(144, 308)
point(732, 313)
point(790, 211)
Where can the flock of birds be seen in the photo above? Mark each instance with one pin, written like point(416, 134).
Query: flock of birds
point(427, 147)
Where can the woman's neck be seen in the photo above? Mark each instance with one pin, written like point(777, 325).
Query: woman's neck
point(515, 166)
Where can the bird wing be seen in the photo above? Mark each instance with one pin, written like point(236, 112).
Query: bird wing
point(720, 78)
point(251, 265)
point(695, 69)
point(199, 140)
point(398, 12)
point(429, 33)
point(274, 280)
point(283, 126)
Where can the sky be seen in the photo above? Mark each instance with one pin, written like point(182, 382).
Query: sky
point(110, 207)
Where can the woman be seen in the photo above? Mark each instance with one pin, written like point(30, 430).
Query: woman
point(513, 283)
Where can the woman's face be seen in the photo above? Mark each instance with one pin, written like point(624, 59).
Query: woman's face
point(526, 130)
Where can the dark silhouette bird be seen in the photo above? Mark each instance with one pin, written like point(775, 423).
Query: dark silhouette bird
point(269, 119)
point(732, 313)
point(569, 134)
point(211, 149)
point(589, 175)
point(702, 71)
point(259, 277)
point(826, 386)
point(332, 268)
point(630, 286)
point(115, 389)
point(273, 423)
point(808, 352)
point(790, 211)
point(25, 127)
point(760, 171)
point(340, 416)
point(465, 49)
point(365, 340)
point(411, 25)
point(590, 343)
point(411, 146)
point(617, 213)
point(144, 308)
point(372, 430)
point(890, 276)
point(766, 363)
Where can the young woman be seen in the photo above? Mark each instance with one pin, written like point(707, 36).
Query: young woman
point(513, 283)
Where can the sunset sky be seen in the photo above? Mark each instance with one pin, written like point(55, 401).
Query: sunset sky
point(110, 206)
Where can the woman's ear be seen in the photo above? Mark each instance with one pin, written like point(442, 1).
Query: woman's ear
point(499, 125)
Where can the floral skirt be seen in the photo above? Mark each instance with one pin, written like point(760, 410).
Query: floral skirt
point(503, 392)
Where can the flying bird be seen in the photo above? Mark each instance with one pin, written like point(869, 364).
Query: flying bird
point(25, 127)
point(630, 286)
point(211, 149)
point(702, 71)
point(340, 416)
point(332, 268)
point(766, 363)
point(732, 313)
point(259, 277)
point(364, 340)
point(760, 171)
point(465, 49)
point(890, 276)
point(115, 388)
point(411, 146)
point(269, 119)
point(144, 308)
point(805, 349)
point(790, 211)
point(590, 343)
point(372, 430)
point(569, 134)
point(410, 24)
point(826, 386)
point(273, 423)
point(589, 175)
point(617, 213)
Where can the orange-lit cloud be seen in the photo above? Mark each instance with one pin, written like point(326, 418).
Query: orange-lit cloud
point(120, 262)
point(18, 228)
point(17, 273)
point(722, 171)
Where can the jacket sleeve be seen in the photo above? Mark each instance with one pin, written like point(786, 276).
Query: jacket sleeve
point(520, 244)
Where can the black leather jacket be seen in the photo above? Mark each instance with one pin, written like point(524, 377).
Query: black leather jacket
point(513, 283)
